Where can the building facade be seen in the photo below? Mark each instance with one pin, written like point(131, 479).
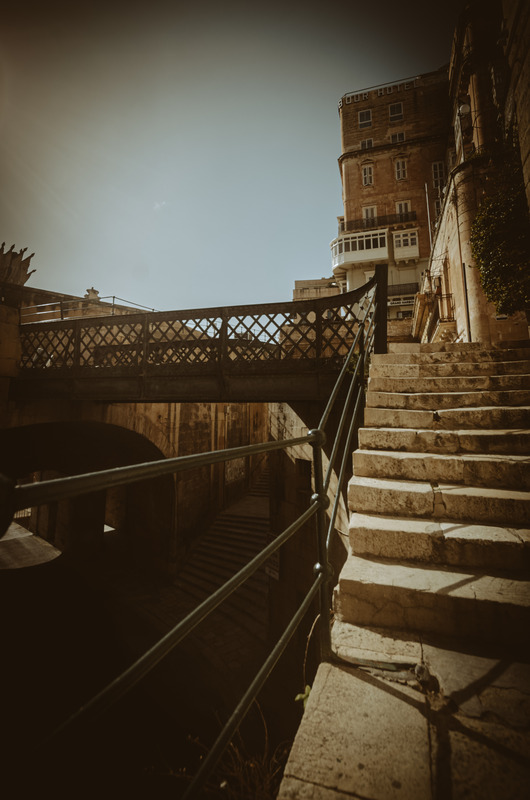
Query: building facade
point(392, 171)
point(417, 159)
point(487, 123)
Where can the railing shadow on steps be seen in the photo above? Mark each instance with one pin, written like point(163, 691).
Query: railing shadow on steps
point(370, 337)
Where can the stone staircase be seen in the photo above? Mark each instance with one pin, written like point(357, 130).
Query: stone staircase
point(427, 696)
point(236, 536)
point(440, 495)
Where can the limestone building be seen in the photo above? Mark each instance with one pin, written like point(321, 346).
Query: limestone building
point(392, 171)
point(487, 126)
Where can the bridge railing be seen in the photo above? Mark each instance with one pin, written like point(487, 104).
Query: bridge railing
point(187, 341)
point(349, 390)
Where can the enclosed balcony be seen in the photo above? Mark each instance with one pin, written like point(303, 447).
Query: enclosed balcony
point(359, 248)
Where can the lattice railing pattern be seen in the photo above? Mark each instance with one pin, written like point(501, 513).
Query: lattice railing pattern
point(311, 329)
point(183, 341)
point(48, 348)
point(114, 344)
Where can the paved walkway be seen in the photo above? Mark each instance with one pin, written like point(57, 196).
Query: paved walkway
point(459, 730)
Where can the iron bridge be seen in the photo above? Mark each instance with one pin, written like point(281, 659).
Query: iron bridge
point(271, 352)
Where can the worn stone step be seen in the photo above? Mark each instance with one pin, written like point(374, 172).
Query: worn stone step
point(359, 738)
point(242, 521)
point(447, 602)
point(440, 400)
point(454, 347)
point(475, 356)
point(233, 531)
point(353, 642)
point(246, 603)
point(445, 659)
point(458, 383)
point(442, 441)
point(451, 542)
point(449, 370)
point(224, 561)
point(442, 501)
point(492, 471)
point(516, 417)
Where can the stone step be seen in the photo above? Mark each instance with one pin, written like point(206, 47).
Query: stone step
point(442, 501)
point(454, 543)
point(239, 529)
point(439, 400)
point(475, 356)
point(458, 383)
point(446, 602)
point(229, 560)
point(449, 370)
point(492, 471)
point(442, 441)
point(455, 347)
point(486, 417)
point(249, 601)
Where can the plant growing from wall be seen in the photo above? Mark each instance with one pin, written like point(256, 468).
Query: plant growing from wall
point(500, 237)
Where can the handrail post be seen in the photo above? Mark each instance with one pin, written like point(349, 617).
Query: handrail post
point(381, 292)
point(322, 567)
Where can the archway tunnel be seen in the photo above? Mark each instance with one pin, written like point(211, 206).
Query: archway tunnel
point(137, 520)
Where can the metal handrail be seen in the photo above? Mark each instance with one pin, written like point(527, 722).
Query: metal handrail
point(366, 223)
point(18, 497)
point(46, 312)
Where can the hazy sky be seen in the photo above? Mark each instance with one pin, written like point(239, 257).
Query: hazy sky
point(182, 155)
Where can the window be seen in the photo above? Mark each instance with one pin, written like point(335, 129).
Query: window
point(369, 212)
point(368, 241)
point(438, 174)
point(398, 137)
point(368, 175)
point(403, 207)
point(406, 239)
point(366, 144)
point(365, 119)
point(437, 206)
point(396, 111)
point(401, 169)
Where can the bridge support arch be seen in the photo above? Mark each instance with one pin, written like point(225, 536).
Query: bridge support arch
point(137, 521)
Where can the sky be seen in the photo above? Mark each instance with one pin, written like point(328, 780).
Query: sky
point(184, 154)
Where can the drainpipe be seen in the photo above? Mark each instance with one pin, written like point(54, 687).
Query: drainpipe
point(428, 216)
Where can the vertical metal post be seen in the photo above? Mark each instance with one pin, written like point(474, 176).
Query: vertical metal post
point(381, 312)
point(77, 344)
point(145, 342)
point(318, 330)
point(223, 337)
point(362, 364)
point(322, 567)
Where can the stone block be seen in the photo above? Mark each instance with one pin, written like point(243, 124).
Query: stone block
point(436, 401)
point(383, 496)
point(508, 471)
point(457, 544)
point(442, 601)
point(350, 741)
point(471, 503)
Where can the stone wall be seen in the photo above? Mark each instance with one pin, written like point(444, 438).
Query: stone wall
point(166, 521)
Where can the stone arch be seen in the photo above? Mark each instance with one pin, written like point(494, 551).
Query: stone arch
point(141, 515)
